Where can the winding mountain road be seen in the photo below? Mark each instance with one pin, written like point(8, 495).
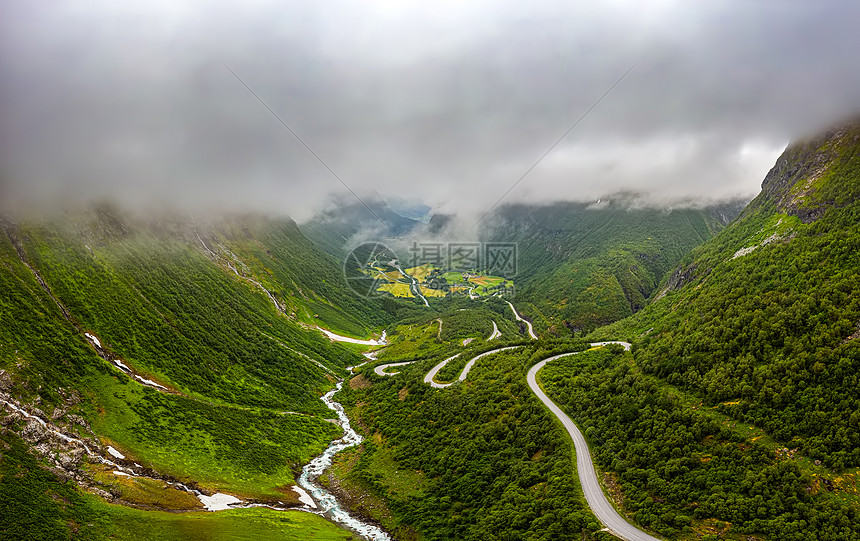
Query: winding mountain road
point(496, 332)
point(382, 370)
point(594, 495)
point(597, 501)
point(429, 378)
point(520, 318)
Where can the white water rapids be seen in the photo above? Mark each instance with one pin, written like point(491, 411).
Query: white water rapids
point(328, 504)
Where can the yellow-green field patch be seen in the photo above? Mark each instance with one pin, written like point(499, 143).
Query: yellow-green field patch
point(397, 289)
point(427, 292)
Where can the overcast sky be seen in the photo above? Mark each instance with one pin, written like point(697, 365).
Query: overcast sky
point(449, 102)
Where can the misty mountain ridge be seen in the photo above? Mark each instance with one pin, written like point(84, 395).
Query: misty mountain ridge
point(812, 176)
point(347, 222)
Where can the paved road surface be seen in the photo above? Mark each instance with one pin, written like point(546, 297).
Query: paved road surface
point(594, 495)
point(600, 506)
point(520, 318)
point(428, 379)
point(382, 369)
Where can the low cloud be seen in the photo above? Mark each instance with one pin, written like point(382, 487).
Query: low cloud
point(446, 102)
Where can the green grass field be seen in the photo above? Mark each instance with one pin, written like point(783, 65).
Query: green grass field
point(454, 277)
point(397, 289)
point(234, 525)
point(241, 450)
point(482, 285)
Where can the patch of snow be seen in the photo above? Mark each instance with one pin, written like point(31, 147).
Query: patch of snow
point(124, 367)
point(121, 473)
point(93, 339)
point(149, 382)
point(304, 497)
point(340, 338)
point(218, 502)
point(114, 453)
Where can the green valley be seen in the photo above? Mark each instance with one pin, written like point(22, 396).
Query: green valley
point(192, 364)
point(423, 271)
point(181, 375)
point(582, 266)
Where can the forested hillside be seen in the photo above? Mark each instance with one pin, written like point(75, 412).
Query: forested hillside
point(179, 345)
point(733, 418)
point(760, 327)
point(688, 470)
point(768, 313)
point(582, 265)
point(481, 460)
point(189, 352)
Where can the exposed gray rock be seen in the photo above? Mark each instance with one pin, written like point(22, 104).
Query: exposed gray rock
point(790, 183)
point(5, 381)
point(70, 460)
point(33, 432)
point(78, 420)
point(681, 277)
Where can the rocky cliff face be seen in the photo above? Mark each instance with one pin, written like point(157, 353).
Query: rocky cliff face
point(795, 180)
point(809, 177)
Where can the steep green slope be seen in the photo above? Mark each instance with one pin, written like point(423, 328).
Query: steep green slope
point(190, 370)
point(164, 308)
point(174, 317)
point(768, 313)
point(581, 266)
point(685, 469)
point(308, 282)
point(757, 329)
